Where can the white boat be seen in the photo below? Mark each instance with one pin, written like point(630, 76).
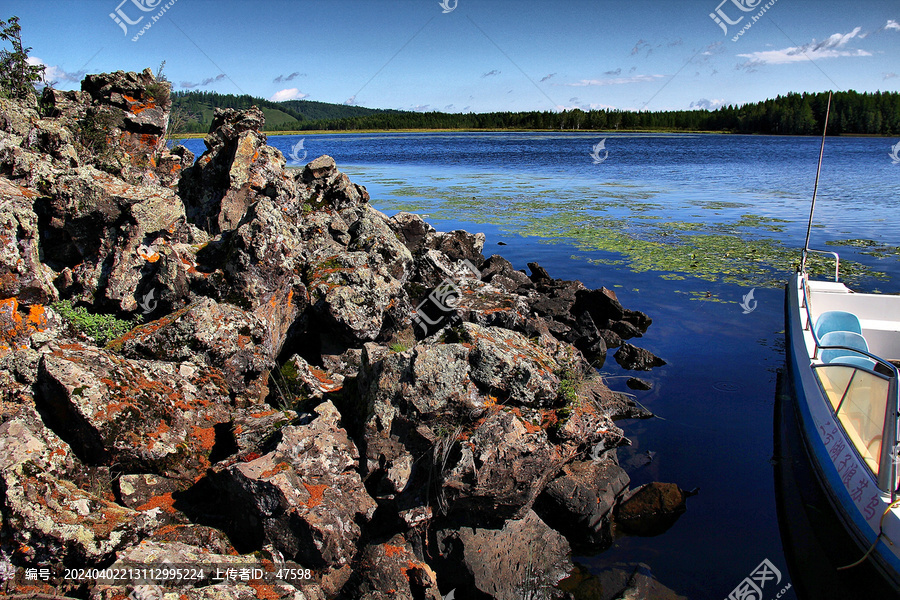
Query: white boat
point(842, 352)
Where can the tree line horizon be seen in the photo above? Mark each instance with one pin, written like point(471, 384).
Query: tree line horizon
point(852, 113)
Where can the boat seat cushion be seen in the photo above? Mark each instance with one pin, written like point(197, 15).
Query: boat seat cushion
point(837, 320)
point(845, 339)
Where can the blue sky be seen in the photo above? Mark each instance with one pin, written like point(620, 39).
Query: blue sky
point(483, 55)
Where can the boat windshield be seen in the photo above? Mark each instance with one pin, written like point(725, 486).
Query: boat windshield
point(859, 398)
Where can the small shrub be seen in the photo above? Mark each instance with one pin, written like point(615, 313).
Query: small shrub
point(92, 132)
point(568, 386)
point(159, 92)
point(103, 328)
point(289, 390)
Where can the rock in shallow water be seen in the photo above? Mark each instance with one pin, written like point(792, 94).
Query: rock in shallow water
point(637, 359)
point(651, 509)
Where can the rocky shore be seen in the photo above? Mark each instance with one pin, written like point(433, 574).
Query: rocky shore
point(229, 364)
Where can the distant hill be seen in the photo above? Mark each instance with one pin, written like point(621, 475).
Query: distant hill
point(196, 110)
point(852, 113)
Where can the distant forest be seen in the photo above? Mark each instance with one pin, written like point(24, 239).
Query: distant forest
point(794, 114)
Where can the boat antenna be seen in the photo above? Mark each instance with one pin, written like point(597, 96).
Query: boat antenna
point(812, 206)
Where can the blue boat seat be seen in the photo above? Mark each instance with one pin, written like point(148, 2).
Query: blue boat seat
point(847, 339)
point(837, 320)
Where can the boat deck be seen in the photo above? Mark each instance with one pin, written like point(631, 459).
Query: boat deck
point(879, 315)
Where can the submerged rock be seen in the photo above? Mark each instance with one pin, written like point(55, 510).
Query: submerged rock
point(637, 383)
point(619, 582)
point(651, 509)
point(637, 359)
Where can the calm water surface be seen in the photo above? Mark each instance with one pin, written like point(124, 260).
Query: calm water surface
point(681, 227)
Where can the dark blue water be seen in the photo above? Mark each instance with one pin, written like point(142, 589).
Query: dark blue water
point(715, 398)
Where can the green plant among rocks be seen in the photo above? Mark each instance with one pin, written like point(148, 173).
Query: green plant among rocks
point(103, 328)
point(289, 391)
point(92, 132)
point(568, 386)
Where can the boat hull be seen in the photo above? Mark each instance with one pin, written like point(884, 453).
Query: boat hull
point(849, 486)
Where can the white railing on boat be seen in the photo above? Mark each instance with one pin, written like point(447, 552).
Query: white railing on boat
point(890, 453)
point(837, 259)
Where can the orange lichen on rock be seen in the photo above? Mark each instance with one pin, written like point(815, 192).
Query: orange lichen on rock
point(390, 550)
point(282, 466)
point(206, 435)
point(316, 492)
point(529, 427)
point(137, 107)
point(265, 591)
point(165, 502)
point(16, 329)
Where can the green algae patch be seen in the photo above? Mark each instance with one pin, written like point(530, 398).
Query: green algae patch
point(869, 247)
point(636, 230)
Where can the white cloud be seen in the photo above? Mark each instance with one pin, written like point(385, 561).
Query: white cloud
point(830, 47)
point(614, 81)
point(584, 106)
point(288, 94)
point(54, 73)
point(705, 104)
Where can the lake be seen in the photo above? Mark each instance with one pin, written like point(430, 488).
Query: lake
point(682, 227)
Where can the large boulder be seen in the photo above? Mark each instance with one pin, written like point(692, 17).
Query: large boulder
point(142, 415)
point(651, 509)
point(580, 499)
point(459, 245)
point(237, 169)
point(305, 497)
point(323, 186)
point(513, 367)
point(637, 359)
point(48, 516)
point(210, 334)
point(354, 297)
point(119, 122)
point(392, 571)
point(261, 269)
point(411, 229)
point(22, 275)
point(501, 468)
point(397, 393)
point(501, 564)
point(97, 228)
point(372, 234)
